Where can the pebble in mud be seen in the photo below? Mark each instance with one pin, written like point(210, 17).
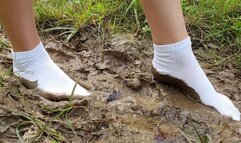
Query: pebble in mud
point(133, 83)
point(101, 66)
point(113, 96)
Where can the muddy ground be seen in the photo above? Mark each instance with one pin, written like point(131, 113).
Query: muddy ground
point(127, 106)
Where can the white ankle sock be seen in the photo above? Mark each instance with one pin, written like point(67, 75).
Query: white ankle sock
point(36, 65)
point(177, 60)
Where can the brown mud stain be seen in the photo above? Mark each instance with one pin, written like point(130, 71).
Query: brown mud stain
point(127, 105)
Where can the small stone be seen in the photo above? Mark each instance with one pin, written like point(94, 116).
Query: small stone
point(137, 63)
point(113, 96)
point(101, 66)
point(133, 83)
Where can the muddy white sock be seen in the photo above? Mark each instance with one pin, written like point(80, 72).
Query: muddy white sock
point(36, 65)
point(177, 60)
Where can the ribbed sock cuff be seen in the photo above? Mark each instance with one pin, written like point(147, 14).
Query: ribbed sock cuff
point(26, 55)
point(173, 47)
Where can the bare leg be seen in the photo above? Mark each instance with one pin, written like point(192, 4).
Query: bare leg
point(173, 56)
point(18, 21)
point(165, 19)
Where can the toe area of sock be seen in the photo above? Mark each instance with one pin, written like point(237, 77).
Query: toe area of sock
point(236, 117)
point(80, 91)
point(235, 113)
point(227, 108)
point(231, 112)
point(64, 91)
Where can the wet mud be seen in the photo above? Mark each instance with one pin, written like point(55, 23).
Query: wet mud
point(128, 105)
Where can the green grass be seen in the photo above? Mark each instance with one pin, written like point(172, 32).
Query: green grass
point(218, 22)
point(77, 13)
point(215, 21)
point(3, 74)
point(3, 41)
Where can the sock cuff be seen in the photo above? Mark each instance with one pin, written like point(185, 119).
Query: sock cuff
point(29, 54)
point(173, 47)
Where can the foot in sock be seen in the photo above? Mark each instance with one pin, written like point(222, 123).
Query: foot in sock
point(36, 65)
point(178, 61)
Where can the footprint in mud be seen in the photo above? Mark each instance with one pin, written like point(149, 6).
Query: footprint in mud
point(118, 54)
point(59, 55)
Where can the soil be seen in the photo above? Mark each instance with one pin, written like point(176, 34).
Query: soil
point(127, 106)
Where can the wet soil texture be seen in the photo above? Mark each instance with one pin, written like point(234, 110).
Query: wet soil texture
point(127, 105)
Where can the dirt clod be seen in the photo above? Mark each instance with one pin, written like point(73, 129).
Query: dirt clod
point(133, 83)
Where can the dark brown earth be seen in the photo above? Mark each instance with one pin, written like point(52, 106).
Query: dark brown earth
point(127, 106)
